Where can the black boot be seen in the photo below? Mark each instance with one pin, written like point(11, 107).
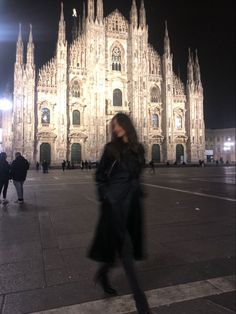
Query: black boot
point(101, 277)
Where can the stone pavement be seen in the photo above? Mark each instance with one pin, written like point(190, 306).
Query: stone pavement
point(190, 241)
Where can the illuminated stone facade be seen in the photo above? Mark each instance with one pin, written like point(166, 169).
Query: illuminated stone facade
point(63, 110)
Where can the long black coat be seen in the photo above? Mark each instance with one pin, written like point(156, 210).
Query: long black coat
point(120, 194)
point(19, 168)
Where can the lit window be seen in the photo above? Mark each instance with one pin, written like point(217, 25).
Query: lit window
point(116, 59)
point(45, 116)
point(76, 117)
point(155, 95)
point(117, 97)
point(155, 123)
point(178, 122)
point(75, 89)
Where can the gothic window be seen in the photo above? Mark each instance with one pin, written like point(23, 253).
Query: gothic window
point(117, 97)
point(76, 117)
point(116, 59)
point(155, 94)
point(45, 116)
point(155, 121)
point(75, 89)
point(178, 122)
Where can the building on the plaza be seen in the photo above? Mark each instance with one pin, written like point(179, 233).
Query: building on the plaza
point(220, 145)
point(63, 110)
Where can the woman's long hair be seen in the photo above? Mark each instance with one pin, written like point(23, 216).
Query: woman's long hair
point(125, 122)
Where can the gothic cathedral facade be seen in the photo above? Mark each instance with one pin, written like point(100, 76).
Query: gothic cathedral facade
point(63, 111)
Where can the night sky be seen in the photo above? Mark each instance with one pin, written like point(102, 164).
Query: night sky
point(205, 25)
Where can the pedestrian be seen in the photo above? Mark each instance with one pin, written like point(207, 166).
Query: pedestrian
point(45, 166)
point(120, 226)
point(4, 177)
point(63, 165)
point(37, 166)
point(152, 167)
point(19, 168)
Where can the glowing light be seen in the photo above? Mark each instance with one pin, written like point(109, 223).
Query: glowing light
point(74, 13)
point(5, 104)
point(228, 145)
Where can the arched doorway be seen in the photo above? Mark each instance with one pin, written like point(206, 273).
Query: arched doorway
point(45, 152)
point(156, 154)
point(179, 153)
point(76, 153)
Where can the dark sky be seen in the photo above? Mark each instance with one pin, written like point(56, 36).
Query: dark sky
point(205, 25)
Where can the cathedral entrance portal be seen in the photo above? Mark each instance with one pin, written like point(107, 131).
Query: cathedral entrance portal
point(45, 152)
point(179, 153)
point(156, 155)
point(76, 153)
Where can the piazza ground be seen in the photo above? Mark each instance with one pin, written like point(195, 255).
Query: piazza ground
point(190, 244)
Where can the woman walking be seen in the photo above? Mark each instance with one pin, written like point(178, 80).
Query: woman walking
point(4, 176)
point(120, 226)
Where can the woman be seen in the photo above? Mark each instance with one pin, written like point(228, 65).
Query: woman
point(119, 230)
point(4, 176)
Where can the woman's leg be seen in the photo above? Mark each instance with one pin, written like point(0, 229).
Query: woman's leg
point(102, 277)
point(128, 264)
point(5, 189)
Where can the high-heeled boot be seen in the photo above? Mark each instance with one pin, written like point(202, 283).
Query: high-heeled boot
point(101, 277)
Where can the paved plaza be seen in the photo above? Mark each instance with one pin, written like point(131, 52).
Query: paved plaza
point(190, 244)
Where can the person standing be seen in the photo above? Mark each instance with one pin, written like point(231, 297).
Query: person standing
point(45, 166)
point(19, 168)
point(4, 176)
point(63, 165)
point(152, 167)
point(120, 226)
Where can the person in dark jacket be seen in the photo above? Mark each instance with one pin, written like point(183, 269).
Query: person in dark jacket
point(4, 176)
point(19, 168)
point(120, 226)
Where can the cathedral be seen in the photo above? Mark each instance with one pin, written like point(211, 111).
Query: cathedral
point(63, 110)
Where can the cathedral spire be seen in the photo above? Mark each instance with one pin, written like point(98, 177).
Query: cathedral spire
point(166, 41)
point(83, 18)
point(100, 11)
point(91, 10)
point(142, 15)
point(19, 48)
point(62, 27)
point(30, 48)
point(198, 81)
point(134, 14)
point(190, 78)
point(75, 25)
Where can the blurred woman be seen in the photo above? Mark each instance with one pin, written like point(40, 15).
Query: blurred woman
point(4, 176)
point(120, 226)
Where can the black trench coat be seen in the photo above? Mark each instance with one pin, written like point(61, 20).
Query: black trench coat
point(120, 194)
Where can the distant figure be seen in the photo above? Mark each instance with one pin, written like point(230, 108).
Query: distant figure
point(19, 168)
point(217, 162)
point(72, 165)
point(152, 167)
point(63, 165)
point(120, 227)
point(89, 165)
point(184, 163)
point(37, 166)
point(68, 164)
point(4, 177)
point(86, 164)
point(45, 166)
point(82, 165)
point(167, 163)
point(175, 163)
point(227, 163)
